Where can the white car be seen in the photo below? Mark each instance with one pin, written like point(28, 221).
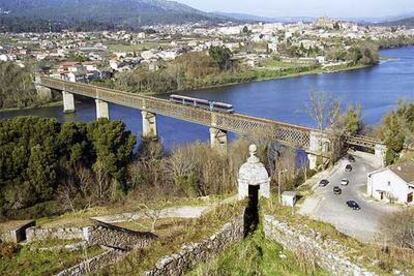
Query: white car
point(344, 182)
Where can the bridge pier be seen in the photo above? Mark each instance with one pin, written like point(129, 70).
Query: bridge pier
point(218, 139)
point(102, 109)
point(312, 161)
point(149, 125)
point(380, 153)
point(42, 91)
point(318, 143)
point(68, 102)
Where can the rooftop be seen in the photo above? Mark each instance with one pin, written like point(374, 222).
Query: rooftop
point(405, 170)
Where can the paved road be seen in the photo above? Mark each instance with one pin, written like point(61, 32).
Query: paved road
point(324, 205)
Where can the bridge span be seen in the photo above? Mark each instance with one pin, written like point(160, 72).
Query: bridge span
point(309, 139)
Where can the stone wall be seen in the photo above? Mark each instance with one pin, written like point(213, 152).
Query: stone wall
point(16, 231)
point(98, 234)
point(94, 264)
point(192, 254)
point(38, 233)
point(328, 254)
point(117, 237)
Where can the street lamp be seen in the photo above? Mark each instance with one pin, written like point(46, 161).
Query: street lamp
point(279, 174)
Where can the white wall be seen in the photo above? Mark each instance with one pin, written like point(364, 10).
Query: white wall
point(379, 181)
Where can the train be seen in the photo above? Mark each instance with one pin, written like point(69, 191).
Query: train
point(202, 103)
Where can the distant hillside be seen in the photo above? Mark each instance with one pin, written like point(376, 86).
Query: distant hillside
point(256, 18)
point(408, 22)
point(30, 15)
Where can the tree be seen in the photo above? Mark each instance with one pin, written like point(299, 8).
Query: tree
point(352, 120)
point(398, 228)
point(325, 110)
point(113, 146)
point(222, 56)
point(16, 89)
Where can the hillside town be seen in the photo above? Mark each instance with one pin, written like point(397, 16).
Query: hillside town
point(87, 56)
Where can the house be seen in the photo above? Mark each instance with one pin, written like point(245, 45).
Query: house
point(394, 183)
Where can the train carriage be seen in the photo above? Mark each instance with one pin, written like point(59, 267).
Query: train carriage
point(202, 103)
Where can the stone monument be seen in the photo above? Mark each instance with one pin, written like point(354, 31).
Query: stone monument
point(253, 173)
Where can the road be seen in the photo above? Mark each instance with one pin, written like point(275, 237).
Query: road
point(324, 205)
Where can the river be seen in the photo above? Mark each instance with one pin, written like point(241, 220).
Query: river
point(377, 89)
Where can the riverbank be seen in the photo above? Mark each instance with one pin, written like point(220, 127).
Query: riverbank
point(316, 71)
point(45, 105)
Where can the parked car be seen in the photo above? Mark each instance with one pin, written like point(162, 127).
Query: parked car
point(323, 183)
point(353, 205)
point(344, 182)
point(351, 158)
point(348, 168)
point(337, 190)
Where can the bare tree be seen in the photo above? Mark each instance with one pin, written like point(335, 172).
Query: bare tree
point(398, 228)
point(326, 111)
point(153, 214)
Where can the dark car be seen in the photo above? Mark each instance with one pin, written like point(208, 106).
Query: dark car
point(353, 205)
point(323, 183)
point(348, 168)
point(337, 190)
point(351, 158)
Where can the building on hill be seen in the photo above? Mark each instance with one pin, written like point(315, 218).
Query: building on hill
point(394, 183)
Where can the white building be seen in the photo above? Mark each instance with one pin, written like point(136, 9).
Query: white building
point(394, 183)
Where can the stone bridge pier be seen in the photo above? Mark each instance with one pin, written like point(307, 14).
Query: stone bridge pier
point(218, 139)
point(102, 109)
point(68, 102)
point(318, 144)
point(149, 125)
point(380, 154)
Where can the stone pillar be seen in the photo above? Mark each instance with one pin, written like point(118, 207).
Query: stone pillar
point(253, 173)
point(218, 139)
point(149, 125)
point(68, 102)
point(42, 91)
point(319, 144)
point(313, 160)
point(102, 109)
point(380, 154)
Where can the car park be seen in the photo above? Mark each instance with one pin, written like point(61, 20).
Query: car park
point(337, 190)
point(353, 205)
point(323, 183)
point(344, 182)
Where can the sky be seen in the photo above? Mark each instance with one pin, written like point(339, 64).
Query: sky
point(332, 8)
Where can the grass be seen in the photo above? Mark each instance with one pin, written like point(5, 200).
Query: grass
point(257, 256)
point(374, 257)
point(81, 218)
point(173, 235)
point(29, 261)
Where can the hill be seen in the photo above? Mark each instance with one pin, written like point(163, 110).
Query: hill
point(257, 18)
point(408, 22)
point(41, 15)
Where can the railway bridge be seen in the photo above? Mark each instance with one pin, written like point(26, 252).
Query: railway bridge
point(311, 140)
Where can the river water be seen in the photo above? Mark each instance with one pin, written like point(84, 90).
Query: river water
point(376, 89)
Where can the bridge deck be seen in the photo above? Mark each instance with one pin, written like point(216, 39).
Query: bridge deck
point(289, 134)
